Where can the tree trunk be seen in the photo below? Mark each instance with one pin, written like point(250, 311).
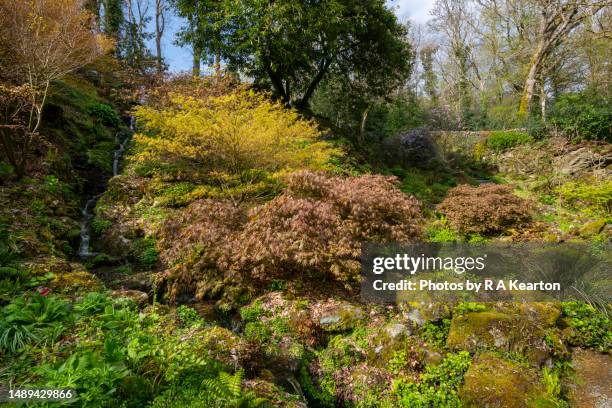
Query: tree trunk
point(362, 127)
point(217, 63)
point(530, 81)
point(159, 32)
point(324, 66)
point(197, 60)
point(543, 100)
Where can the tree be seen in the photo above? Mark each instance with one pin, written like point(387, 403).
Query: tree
point(40, 41)
point(161, 9)
point(452, 17)
point(292, 46)
point(557, 19)
point(132, 48)
point(113, 20)
point(429, 76)
point(203, 31)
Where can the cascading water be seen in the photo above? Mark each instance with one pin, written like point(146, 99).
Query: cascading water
point(86, 213)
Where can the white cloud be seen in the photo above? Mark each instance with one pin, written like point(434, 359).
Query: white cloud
point(416, 10)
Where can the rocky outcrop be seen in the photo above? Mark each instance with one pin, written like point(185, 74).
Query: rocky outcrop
point(582, 160)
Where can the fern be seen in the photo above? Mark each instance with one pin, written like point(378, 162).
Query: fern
point(225, 391)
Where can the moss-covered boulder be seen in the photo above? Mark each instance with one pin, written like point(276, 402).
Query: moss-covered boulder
point(494, 382)
point(337, 316)
point(139, 298)
point(474, 331)
point(525, 328)
point(76, 281)
point(592, 228)
point(221, 344)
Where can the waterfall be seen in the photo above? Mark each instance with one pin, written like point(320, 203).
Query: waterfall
point(86, 213)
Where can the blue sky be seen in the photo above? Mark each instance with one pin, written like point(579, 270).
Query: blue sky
point(179, 58)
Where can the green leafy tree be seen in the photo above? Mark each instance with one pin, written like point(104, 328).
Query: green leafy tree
point(203, 30)
point(113, 19)
point(292, 46)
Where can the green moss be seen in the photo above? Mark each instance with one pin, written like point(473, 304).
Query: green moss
point(495, 382)
point(593, 228)
point(595, 194)
point(468, 307)
point(472, 331)
point(101, 156)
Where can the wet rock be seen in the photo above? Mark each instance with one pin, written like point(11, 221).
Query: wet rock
point(395, 330)
point(493, 382)
point(42, 266)
point(474, 331)
point(138, 297)
point(221, 344)
point(421, 312)
point(593, 372)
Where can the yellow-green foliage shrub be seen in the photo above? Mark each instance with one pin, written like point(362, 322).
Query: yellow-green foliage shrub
point(591, 193)
point(237, 139)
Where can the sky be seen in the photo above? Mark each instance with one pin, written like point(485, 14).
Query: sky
point(180, 59)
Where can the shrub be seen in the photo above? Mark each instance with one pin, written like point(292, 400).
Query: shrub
point(592, 193)
point(105, 113)
point(501, 140)
point(238, 138)
point(193, 241)
point(316, 228)
point(583, 115)
point(313, 230)
point(485, 209)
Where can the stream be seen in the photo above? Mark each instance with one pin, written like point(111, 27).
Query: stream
point(87, 210)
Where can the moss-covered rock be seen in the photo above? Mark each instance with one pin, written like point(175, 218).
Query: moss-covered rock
point(76, 282)
point(592, 228)
point(494, 382)
point(474, 331)
point(525, 328)
point(139, 298)
point(339, 316)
